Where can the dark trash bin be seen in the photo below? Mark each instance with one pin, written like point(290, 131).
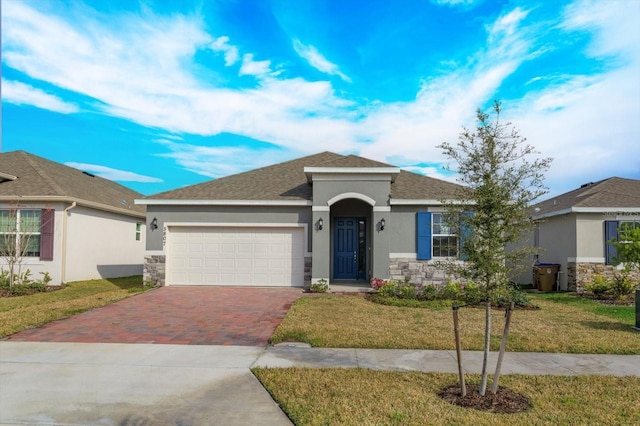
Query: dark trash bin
point(546, 276)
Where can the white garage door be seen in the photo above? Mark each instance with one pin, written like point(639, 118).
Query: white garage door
point(235, 256)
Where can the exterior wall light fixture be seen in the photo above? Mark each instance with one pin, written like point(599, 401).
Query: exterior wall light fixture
point(320, 224)
point(382, 224)
point(154, 224)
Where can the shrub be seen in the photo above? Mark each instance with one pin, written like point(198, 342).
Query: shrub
point(376, 283)
point(621, 285)
point(320, 286)
point(23, 284)
point(471, 293)
point(427, 292)
point(389, 289)
point(407, 291)
point(451, 290)
point(598, 286)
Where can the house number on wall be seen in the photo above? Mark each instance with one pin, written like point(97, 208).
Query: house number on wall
point(164, 236)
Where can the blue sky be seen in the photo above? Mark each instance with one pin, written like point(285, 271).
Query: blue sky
point(162, 94)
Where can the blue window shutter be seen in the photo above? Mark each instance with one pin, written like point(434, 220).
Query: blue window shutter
point(465, 233)
point(424, 236)
point(46, 234)
point(610, 233)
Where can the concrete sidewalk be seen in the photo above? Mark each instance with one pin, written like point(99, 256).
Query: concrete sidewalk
point(126, 384)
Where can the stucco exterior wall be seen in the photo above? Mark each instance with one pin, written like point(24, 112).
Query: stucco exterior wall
point(102, 245)
point(221, 214)
point(590, 236)
point(557, 240)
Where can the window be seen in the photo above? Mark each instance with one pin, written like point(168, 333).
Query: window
point(612, 228)
point(26, 224)
point(445, 242)
point(435, 238)
point(138, 230)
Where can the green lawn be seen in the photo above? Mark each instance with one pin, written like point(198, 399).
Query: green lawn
point(368, 397)
point(563, 323)
point(21, 312)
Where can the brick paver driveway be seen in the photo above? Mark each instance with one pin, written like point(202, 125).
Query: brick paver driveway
point(177, 315)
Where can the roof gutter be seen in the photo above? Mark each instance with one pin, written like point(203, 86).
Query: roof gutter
point(601, 210)
point(63, 272)
point(77, 201)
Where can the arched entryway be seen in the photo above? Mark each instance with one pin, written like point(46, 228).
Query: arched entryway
point(350, 239)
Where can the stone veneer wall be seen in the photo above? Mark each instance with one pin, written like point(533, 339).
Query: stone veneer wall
point(307, 270)
point(417, 271)
point(154, 270)
point(578, 274)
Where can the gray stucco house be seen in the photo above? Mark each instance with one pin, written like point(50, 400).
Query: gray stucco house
point(325, 216)
point(574, 229)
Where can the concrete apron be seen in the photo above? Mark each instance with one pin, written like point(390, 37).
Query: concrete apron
point(129, 384)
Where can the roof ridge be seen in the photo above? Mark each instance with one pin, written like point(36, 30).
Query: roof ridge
point(29, 159)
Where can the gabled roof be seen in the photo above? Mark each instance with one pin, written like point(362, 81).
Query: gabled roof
point(287, 182)
point(24, 176)
point(612, 194)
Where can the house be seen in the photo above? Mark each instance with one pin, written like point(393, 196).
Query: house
point(324, 216)
point(574, 229)
point(77, 226)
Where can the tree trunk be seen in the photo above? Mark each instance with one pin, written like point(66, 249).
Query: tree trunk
point(503, 345)
point(456, 329)
point(487, 337)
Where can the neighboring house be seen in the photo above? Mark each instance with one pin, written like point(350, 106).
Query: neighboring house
point(78, 226)
point(574, 229)
point(325, 216)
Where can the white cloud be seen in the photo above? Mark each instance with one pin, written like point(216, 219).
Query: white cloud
point(317, 60)
point(215, 162)
point(22, 94)
point(221, 44)
point(113, 174)
point(251, 67)
point(143, 72)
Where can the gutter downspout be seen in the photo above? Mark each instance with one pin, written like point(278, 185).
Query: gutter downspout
point(63, 275)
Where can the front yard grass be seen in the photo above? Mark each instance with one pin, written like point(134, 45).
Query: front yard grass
point(368, 397)
point(22, 312)
point(562, 324)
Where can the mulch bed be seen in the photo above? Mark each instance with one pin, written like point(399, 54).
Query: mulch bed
point(505, 401)
point(6, 293)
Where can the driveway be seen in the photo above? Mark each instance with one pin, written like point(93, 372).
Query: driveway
point(177, 315)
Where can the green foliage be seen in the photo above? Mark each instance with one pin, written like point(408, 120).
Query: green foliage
point(320, 286)
point(618, 287)
point(598, 286)
point(468, 293)
point(23, 283)
point(628, 247)
point(500, 183)
point(451, 290)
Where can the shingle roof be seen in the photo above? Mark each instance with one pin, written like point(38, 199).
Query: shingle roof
point(39, 177)
point(613, 192)
point(287, 181)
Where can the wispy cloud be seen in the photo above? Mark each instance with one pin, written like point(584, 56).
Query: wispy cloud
point(317, 60)
point(22, 94)
point(215, 162)
point(251, 67)
point(127, 70)
point(113, 174)
point(231, 54)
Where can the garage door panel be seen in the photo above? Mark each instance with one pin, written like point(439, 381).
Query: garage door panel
point(236, 256)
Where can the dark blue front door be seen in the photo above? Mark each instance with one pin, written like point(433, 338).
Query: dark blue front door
point(349, 248)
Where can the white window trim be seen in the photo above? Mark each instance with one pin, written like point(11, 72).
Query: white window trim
point(17, 232)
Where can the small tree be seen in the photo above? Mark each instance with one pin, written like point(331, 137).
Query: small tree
point(499, 184)
point(628, 246)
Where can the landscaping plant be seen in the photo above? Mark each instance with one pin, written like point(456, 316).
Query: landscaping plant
point(499, 183)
